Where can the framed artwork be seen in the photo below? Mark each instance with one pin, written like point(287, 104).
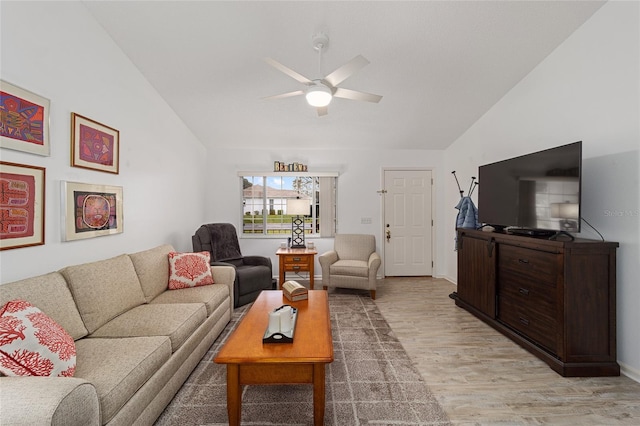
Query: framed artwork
point(91, 210)
point(94, 145)
point(24, 120)
point(21, 205)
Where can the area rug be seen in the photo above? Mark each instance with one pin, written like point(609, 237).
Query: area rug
point(371, 381)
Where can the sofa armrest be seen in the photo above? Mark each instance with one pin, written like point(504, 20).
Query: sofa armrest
point(225, 274)
point(65, 401)
point(223, 264)
point(326, 259)
point(257, 261)
point(374, 263)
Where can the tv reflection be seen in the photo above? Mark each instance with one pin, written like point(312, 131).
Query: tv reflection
point(550, 202)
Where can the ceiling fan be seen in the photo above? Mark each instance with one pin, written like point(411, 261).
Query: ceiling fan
point(320, 92)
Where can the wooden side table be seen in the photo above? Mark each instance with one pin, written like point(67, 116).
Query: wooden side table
point(296, 260)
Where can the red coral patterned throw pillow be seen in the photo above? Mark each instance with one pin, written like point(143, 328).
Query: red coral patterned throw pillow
point(189, 270)
point(32, 344)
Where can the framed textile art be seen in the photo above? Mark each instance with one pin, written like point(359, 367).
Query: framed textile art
point(21, 205)
point(91, 210)
point(94, 145)
point(24, 120)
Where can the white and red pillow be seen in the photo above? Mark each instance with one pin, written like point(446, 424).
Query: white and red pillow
point(32, 344)
point(189, 270)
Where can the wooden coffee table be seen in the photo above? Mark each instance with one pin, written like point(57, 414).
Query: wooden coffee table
point(251, 362)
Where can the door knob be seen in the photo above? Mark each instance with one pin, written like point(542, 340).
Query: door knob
point(388, 235)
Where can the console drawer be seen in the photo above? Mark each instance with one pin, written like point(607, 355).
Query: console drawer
point(536, 297)
point(533, 264)
point(535, 325)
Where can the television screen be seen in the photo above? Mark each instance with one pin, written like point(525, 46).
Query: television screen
point(538, 191)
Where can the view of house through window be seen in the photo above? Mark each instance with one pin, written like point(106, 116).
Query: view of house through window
point(264, 204)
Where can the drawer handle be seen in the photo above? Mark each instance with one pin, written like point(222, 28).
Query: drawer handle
point(297, 259)
point(524, 321)
point(523, 291)
point(296, 267)
point(525, 261)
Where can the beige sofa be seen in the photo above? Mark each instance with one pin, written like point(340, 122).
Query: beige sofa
point(136, 341)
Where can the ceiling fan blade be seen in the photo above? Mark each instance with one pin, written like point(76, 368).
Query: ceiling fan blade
point(356, 96)
point(288, 71)
point(322, 111)
point(345, 71)
point(284, 95)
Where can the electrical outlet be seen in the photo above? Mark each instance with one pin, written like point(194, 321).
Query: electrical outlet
point(365, 220)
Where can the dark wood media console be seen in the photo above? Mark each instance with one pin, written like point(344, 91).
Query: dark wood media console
point(555, 298)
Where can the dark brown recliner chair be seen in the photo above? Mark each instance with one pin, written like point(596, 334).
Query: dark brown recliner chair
point(253, 273)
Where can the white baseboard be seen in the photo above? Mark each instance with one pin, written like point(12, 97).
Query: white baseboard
point(446, 277)
point(631, 373)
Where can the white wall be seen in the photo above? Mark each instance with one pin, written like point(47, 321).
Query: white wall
point(58, 51)
point(587, 89)
point(360, 178)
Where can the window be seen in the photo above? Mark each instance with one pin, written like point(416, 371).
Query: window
point(264, 202)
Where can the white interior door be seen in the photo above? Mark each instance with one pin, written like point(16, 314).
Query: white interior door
point(407, 223)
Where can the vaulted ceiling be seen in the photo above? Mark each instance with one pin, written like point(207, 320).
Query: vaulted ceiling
point(439, 65)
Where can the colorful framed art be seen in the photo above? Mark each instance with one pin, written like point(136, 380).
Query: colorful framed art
point(91, 210)
point(94, 145)
point(24, 120)
point(21, 205)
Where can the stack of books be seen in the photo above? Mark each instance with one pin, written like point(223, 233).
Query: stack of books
point(294, 291)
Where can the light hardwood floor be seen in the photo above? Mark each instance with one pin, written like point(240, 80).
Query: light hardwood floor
point(482, 378)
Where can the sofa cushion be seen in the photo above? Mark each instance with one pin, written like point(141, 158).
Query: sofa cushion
point(119, 367)
point(189, 270)
point(50, 294)
point(211, 295)
point(177, 321)
point(352, 268)
point(104, 289)
point(152, 267)
point(32, 344)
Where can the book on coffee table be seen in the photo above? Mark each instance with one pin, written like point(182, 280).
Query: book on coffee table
point(294, 291)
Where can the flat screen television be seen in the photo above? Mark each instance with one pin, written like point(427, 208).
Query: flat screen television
point(537, 193)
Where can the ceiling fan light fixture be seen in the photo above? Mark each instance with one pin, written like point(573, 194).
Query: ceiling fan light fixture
point(320, 92)
point(319, 95)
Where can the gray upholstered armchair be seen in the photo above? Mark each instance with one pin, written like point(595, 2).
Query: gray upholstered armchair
point(253, 273)
point(353, 263)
